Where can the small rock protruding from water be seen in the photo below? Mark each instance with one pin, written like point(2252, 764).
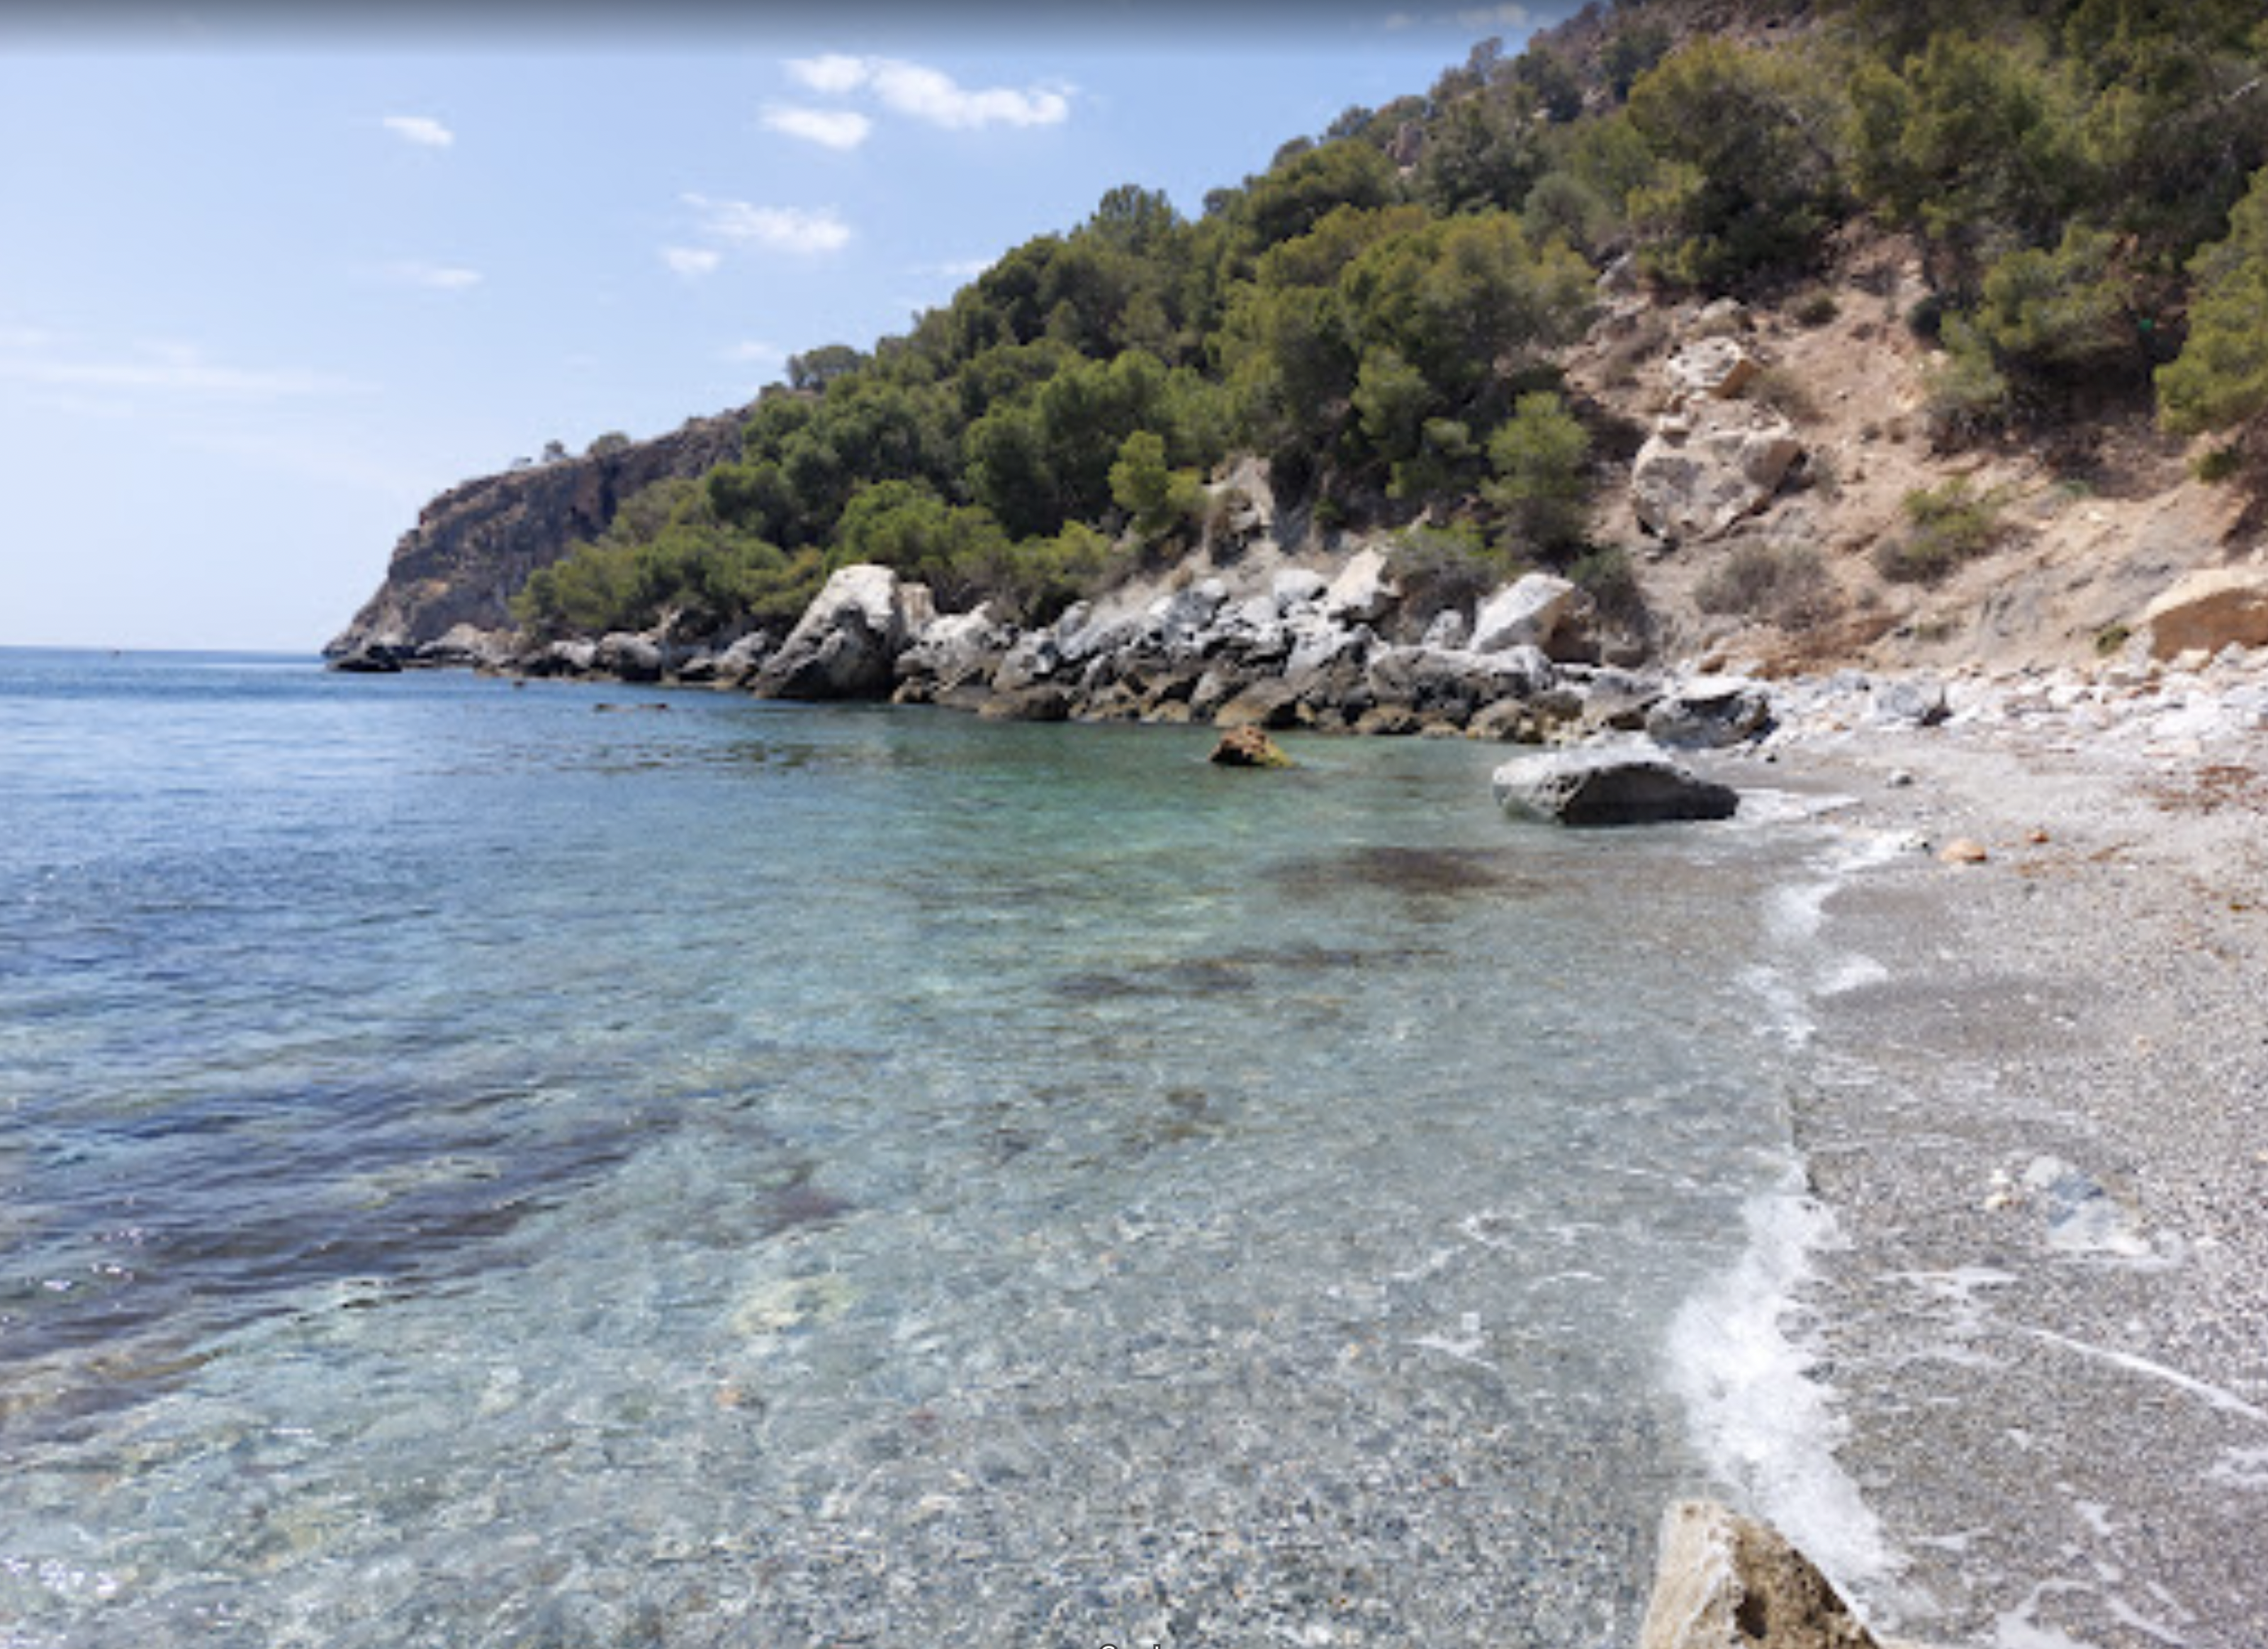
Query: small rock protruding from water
point(1725, 1581)
point(1249, 746)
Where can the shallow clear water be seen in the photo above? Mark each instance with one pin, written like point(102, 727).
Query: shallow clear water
point(485, 1165)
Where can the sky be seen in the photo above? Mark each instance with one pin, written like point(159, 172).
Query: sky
point(269, 283)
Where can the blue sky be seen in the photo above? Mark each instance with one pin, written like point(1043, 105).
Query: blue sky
point(266, 288)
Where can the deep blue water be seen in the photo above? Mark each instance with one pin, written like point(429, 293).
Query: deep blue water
point(556, 1164)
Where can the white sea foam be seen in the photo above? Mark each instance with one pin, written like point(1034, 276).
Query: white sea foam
point(1760, 1419)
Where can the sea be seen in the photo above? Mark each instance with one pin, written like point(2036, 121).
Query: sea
point(543, 1164)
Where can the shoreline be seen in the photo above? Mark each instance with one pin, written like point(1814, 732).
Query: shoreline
point(2040, 1126)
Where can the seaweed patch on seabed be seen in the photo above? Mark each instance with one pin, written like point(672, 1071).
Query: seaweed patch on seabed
point(1232, 971)
point(1416, 873)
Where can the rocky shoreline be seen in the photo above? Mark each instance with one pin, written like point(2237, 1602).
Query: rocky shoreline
point(2039, 1116)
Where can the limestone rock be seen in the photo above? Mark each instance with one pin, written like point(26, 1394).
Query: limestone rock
point(1711, 713)
point(1725, 1581)
point(1703, 471)
point(956, 648)
point(631, 658)
point(848, 640)
point(468, 647)
point(1298, 586)
point(1916, 702)
point(1964, 850)
point(1447, 630)
point(1538, 610)
point(2209, 610)
point(1362, 593)
point(1264, 704)
point(1042, 701)
point(1710, 369)
point(1627, 783)
point(476, 543)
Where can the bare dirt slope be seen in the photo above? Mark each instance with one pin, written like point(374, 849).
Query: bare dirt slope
point(2095, 522)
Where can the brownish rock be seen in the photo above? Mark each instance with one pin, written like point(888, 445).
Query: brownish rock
point(1725, 1581)
point(1248, 747)
point(2208, 611)
point(1964, 850)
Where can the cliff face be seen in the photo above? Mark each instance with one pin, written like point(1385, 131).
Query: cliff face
point(474, 546)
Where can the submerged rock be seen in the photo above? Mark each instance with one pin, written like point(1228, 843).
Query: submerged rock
point(1628, 782)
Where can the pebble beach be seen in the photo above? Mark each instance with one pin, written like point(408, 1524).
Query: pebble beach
point(2040, 1118)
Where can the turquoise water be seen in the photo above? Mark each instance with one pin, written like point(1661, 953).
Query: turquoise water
point(572, 1166)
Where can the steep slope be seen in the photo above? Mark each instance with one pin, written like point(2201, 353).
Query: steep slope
point(474, 546)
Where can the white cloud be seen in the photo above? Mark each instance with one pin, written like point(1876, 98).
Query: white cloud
point(779, 228)
point(931, 95)
point(831, 129)
point(432, 277)
point(833, 73)
point(169, 368)
point(756, 351)
point(1505, 17)
point(691, 262)
point(421, 129)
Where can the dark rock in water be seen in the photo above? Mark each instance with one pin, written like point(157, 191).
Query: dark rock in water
point(1248, 747)
point(374, 659)
point(1725, 1581)
point(1629, 782)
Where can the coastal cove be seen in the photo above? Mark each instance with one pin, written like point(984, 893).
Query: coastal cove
point(485, 1167)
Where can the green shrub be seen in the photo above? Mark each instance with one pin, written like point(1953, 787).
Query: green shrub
point(1946, 526)
point(1439, 568)
point(1608, 577)
point(1541, 456)
point(1785, 585)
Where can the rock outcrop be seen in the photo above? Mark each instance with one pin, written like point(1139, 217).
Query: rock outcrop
point(848, 641)
point(1709, 466)
point(2209, 611)
point(475, 546)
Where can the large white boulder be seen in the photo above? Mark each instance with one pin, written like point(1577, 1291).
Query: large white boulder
point(1361, 593)
point(849, 639)
point(1537, 610)
point(1706, 469)
point(1709, 369)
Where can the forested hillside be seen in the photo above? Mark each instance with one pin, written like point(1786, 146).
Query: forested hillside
point(1384, 313)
